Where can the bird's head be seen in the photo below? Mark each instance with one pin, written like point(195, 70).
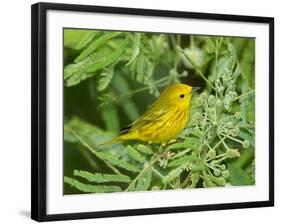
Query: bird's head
point(178, 94)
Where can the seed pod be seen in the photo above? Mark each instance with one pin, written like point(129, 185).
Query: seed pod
point(212, 153)
point(229, 124)
point(246, 144)
point(212, 100)
point(225, 174)
point(223, 167)
point(217, 172)
point(218, 102)
point(204, 96)
point(199, 101)
point(232, 153)
point(237, 115)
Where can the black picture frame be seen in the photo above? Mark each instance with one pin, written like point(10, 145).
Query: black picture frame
point(38, 108)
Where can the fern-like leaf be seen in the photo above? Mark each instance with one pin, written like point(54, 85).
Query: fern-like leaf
point(144, 181)
point(135, 154)
point(144, 149)
point(180, 161)
point(105, 78)
point(97, 43)
point(101, 178)
point(181, 153)
point(136, 48)
point(173, 174)
point(87, 38)
point(90, 188)
point(118, 162)
point(101, 63)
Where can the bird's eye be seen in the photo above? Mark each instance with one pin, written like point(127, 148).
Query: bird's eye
point(182, 96)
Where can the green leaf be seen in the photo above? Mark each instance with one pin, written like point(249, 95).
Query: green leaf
point(135, 49)
point(189, 143)
point(132, 186)
point(247, 105)
point(180, 161)
point(208, 182)
point(223, 65)
point(181, 153)
point(101, 177)
point(195, 177)
point(121, 85)
point(231, 49)
point(144, 181)
point(88, 67)
point(180, 145)
point(247, 136)
point(248, 62)
point(192, 142)
point(219, 181)
point(110, 117)
point(173, 174)
point(96, 44)
point(87, 38)
point(68, 137)
point(144, 149)
point(105, 78)
point(246, 158)
point(90, 188)
point(88, 132)
point(75, 73)
point(135, 154)
point(77, 39)
point(118, 162)
point(142, 69)
point(109, 59)
point(237, 176)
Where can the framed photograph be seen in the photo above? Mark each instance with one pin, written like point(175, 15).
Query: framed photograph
point(139, 111)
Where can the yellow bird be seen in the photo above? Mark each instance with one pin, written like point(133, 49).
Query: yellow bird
point(164, 119)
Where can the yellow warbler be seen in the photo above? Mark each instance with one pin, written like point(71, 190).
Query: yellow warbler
point(164, 119)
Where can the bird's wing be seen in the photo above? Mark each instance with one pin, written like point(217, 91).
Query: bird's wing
point(152, 115)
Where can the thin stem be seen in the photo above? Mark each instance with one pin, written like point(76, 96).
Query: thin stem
point(92, 150)
point(244, 94)
point(246, 126)
point(232, 138)
point(221, 159)
point(225, 145)
point(130, 93)
point(198, 70)
point(216, 157)
point(157, 172)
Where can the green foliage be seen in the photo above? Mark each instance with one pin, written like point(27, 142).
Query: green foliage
point(144, 149)
point(90, 61)
point(90, 188)
point(121, 73)
point(118, 162)
point(101, 178)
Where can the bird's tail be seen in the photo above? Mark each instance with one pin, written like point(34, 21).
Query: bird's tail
point(128, 136)
point(114, 140)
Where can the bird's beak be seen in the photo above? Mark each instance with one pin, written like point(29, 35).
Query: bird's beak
point(194, 89)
